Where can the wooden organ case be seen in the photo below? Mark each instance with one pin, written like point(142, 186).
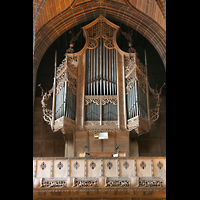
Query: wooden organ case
point(100, 89)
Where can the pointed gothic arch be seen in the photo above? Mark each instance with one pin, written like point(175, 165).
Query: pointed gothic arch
point(76, 15)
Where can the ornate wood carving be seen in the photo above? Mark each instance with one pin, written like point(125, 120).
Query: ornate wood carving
point(85, 182)
point(121, 182)
point(150, 182)
point(52, 183)
point(103, 99)
point(96, 64)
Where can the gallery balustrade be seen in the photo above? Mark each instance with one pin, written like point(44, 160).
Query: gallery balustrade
point(61, 173)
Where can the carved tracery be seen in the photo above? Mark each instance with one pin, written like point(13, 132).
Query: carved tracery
point(134, 70)
point(101, 99)
point(67, 71)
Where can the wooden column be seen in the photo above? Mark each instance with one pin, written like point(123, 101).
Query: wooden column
point(80, 104)
point(121, 92)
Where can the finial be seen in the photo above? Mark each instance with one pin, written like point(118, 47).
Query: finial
point(72, 41)
point(128, 36)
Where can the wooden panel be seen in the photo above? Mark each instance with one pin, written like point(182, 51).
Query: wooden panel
point(159, 167)
point(94, 145)
point(121, 91)
point(81, 141)
point(143, 167)
point(127, 168)
point(60, 168)
point(77, 168)
point(109, 144)
point(110, 167)
point(101, 154)
point(80, 92)
point(93, 168)
point(43, 168)
point(122, 140)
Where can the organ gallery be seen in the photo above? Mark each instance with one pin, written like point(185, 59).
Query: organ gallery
point(100, 89)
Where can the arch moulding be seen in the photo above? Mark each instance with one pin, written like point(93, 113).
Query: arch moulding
point(76, 15)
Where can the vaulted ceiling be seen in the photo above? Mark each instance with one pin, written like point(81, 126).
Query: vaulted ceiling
point(55, 17)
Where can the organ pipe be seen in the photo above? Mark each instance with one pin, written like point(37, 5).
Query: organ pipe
point(101, 71)
point(100, 80)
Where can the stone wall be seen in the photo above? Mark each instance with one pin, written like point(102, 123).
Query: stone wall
point(45, 142)
point(153, 143)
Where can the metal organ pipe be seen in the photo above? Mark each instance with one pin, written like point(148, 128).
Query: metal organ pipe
point(109, 73)
point(112, 72)
point(65, 103)
point(91, 73)
point(94, 73)
point(97, 72)
point(115, 73)
point(100, 66)
point(101, 79)
point(104, 67)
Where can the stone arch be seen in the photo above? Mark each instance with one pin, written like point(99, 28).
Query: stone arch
point(76, 15)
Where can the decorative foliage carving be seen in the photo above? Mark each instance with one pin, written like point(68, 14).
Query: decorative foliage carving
point(129, 63)
point(47, 113)
point(104, 99)
point(47, 183)
point(92, 100)
point(104, 130)
point(141, 67)
point(112, 100)
point(109, 43)
point(134, 70)
point(67, 71)
point(117, 183)
point(103, 123)
point(150, 183)
point(155, 112)
point(101, 29)
point(93, 43)
point(85, 183)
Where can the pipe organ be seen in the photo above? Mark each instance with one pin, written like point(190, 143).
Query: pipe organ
point(100, 88)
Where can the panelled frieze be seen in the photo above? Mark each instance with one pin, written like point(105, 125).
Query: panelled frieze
point(59, 173)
